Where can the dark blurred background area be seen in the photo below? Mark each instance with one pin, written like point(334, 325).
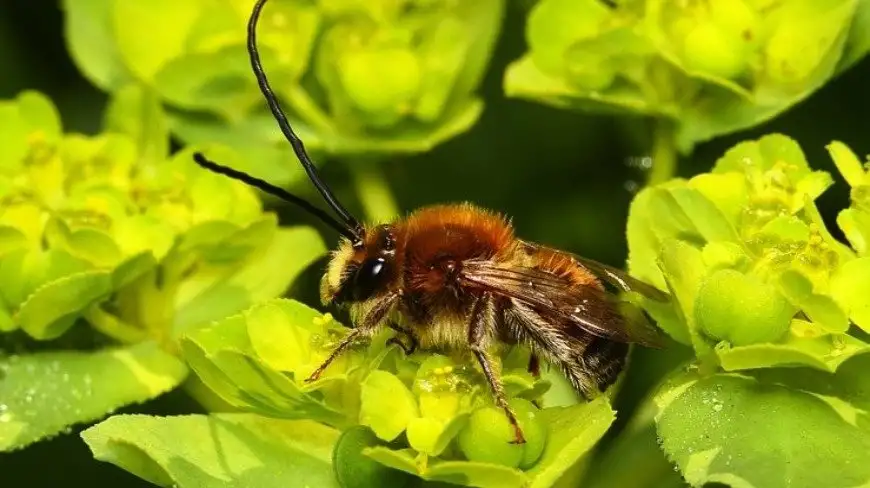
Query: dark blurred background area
point(564, 178)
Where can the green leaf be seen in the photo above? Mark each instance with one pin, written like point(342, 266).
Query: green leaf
point(856, 226)
point(684, 270)
point(821, 309)
point(54, 307)
point(858, 42)
point(643, 241)
point(255, 138)
point(38, 113)
point(42, 394)
point(387, 405)
point(572, 432)
point(763, 154)
point(524, 79)
point(218, 450)
point(850, 287)
point(728, 191)
point(136, 111)
point(825, 352)
point(141, 50)
point(224, 357)
point(25, 123)
point(23, 271)
point(91, 43)
point(218, 81)
point(750, 432)
point(705, 217)
point(215, 294)
point(847, 162)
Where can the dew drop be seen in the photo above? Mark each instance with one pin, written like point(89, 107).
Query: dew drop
point(717, 407)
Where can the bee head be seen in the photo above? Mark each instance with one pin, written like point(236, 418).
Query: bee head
point(358, 272)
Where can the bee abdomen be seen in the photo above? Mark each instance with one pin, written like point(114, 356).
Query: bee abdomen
point(597, 367)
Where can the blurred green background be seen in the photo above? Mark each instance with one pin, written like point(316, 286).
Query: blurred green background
point(565, 178)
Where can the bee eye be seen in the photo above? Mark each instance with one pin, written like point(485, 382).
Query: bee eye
point(369, 277)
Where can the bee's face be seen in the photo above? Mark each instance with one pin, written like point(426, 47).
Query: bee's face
point(355, 274)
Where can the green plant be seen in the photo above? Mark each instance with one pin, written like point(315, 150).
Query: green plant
point(360, 78)
point(124, 267)
point(114, 248)
point(762, 294)
point(775, 310)
point(697, 68)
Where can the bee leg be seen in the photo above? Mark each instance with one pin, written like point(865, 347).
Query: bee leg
point(534, 366)
point(402, 332)
point(481, 319)
point(366, 327)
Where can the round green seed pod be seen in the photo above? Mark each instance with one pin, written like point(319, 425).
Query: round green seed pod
point(741, 309)
point(381, 81)
point(488, 436)
point(534, 430)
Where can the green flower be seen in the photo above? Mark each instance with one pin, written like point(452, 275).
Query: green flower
point(424, 414)
point(749, 260)
point(111, 232)
point(709, 66)
point(360, 78)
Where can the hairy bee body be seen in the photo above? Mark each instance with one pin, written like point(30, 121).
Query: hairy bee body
point(427, 255)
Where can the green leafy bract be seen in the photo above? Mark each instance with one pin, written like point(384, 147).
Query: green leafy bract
point(778, 428)
point(42, 394)
point(217, 450)
point(258, 361)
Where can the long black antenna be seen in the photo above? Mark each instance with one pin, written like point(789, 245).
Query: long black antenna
point(298, 147)
point(276, 191)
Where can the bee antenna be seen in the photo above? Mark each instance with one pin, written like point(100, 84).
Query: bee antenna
point(352, 224)
point(276, 191)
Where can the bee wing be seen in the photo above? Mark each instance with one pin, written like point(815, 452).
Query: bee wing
point(596, 311)
point(614, 276)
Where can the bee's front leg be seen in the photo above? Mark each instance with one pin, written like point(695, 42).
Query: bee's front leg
point(482, 318)
point(365, 328)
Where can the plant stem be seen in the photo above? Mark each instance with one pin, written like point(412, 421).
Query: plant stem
point(113, 326)
point(374, 193)
point(664, 152)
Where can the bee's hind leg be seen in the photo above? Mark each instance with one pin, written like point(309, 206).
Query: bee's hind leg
point(401, 333)
point(482, 316)
point(535, 365)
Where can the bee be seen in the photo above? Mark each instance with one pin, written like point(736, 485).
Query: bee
point(456, 278)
